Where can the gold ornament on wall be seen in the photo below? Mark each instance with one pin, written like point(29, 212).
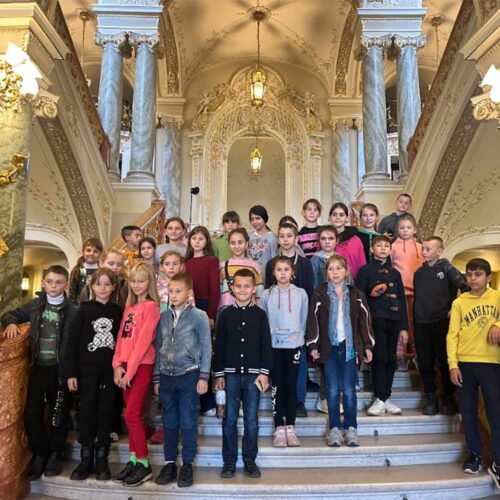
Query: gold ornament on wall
point(17, 162)
point(10, 87)
point(3, 246)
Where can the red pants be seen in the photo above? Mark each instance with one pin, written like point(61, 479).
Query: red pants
point(134, 398)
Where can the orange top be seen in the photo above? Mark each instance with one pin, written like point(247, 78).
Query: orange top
point(406, 257)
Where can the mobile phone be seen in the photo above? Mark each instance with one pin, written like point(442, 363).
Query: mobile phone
point(259, 385)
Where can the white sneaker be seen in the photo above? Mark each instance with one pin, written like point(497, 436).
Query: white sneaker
point(335, 437)
point(209, 413)
point(322, 405)
point(391, 408)
point(377, 408)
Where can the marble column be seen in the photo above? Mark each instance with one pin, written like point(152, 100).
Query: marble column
point(144, 105)
point(361, 156)
point(341, 160)
point(110, 94)
point(408, 95)
point(374, 111)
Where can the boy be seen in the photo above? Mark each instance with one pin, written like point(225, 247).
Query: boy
point(308, 235)
point(183, 354)
point(389, 224)
point(243, 361)
point(49, 316)
point(383, 288)
point(474, 360)
point(230, 221)
point(131, 236)
point(435, 286)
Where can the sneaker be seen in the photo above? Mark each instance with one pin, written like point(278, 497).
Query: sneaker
point(185, 478)
point(209, 413)
point(158, 437)
point(228, 470)
point(102, 470)
point(449, 405)
point(301, 410)
point(37, 468)
point(335, 437)
point(392, 408)
point(279, 440)
point(322, 405)
point(494, 472)
point(291, 436)
point(473, 463)
point(54, 465)
point(124, 473)
point(430, 404)
point(312, 386)
point(251, 470)
point(402, 364)
point(86, 466)
point(114, 436)
point(351, 437)
point(139, 475)
point(167, 474)
point(376, 408)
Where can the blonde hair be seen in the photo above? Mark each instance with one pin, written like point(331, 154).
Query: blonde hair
point(337, 258)
point(106, 253)
point(141, 270)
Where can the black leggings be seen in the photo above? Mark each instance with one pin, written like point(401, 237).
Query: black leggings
point(284, 385)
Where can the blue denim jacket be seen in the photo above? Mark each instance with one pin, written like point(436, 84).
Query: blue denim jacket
point(183, 344)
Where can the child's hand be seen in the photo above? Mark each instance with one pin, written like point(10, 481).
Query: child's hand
point(494, 335)
point(125, 382)
point(315, 354)
point(11, 331)
point(368, 356)
point(264, 381)
point(219, 384)
point(456, 377)
point(211, 323)
point(201, 387)
point(404, 337)
point(73, 384)
point(119, 372)
point(156, 389)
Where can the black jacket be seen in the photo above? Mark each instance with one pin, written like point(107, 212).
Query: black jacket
point(435, 288)
point(303, 275)
point(31, 312)
point(243, 341)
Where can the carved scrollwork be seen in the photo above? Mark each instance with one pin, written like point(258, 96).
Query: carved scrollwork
point(485, 109)
point(17, 162)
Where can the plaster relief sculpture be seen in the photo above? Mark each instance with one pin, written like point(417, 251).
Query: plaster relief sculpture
point(17, 162)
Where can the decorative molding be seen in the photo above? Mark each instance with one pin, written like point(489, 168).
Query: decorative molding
point(344, 53)
point(167, 121)
point(45, 105)
point(116, 40)
point(151, 41)
point(488, 8)
point(171, 59)
point(383, 42)
point(418, 42)
point(485, 108)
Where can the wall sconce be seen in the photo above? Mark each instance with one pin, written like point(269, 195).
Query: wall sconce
point(25, 284)
point(487, 105)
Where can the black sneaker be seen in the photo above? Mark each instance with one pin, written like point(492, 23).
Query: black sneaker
point(228, 471)
point(185, 476)
point(37, 468)
point(167, 474)
point(473, 463)
point(102, 470)
point(430, 404)
point(494, 472)
point(301, 410)
point(54, 465)
point(312, 386)
point(251, 470)
point(448, 406)
point(124, 473)
point(139, 475)
point(86, 466)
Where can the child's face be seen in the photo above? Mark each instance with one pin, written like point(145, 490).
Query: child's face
point(336, 273)
point(406, 230)
point(238, 245)
point(114, 262)
point(477, 280)
point(381, 250)
point(283, 273)
point(257, 222)
point(171, 266)
point(54, 284)
point(229, 226)
point(91, 255)
point(103, 288)
point(174, 231)
point(147, 250)
point(338, 218)
point(139, 284)
point(133, 239)
point(368, 218)
point(243, 288)
point(327, 241)
point(403, 204)
point(178, 293)
point(198, 242)
point(431, 250)
point(286, 238)
point(311, 213)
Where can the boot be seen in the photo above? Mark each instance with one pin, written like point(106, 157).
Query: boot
point(102, 470)
point(86, 467)
point(430, 404)
point(448, 405)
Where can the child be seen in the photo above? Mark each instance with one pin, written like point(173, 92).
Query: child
point(406, 257)
point(286, 307)
point(147, 249)
point(368, 230)
point(474, 360)
point(133, 367)
point(49, 315)
point(182, 366)
point(272, 251)
point(87, 366)
point(85, 266)
point(171, 263)
point(348, 243)
point(262, 237)
point(243, 360)
point(338, 335)
point(175, 230)
point(389, 224)
point(238, 243)
point(131, 236)
point(328, 237)
point(435, 284)
point(230, 221)
point(383, 287)
point(308, 234)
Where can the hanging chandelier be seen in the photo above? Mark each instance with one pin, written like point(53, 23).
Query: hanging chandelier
point(258, 78)
point(84, 16)
point(256, 158)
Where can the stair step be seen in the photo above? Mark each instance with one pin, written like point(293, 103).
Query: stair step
point(415, 482)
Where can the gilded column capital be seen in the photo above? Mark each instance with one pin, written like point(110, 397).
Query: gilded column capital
point(151, 41)
point(345, 122)
point(382, 42)
point(410, 41)
point(171, 120)
point(116, 40)
point(44, 105)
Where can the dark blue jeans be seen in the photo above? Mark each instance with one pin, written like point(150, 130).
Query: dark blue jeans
point(240, 387)
point(341, 377)
point(179, 399)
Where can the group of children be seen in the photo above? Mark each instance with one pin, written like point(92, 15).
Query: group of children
point(148, 319)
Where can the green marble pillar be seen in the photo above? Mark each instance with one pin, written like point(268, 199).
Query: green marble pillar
point(14, 140)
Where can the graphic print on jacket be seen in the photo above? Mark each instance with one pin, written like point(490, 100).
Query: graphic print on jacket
point(129, 327)
point(103, 336)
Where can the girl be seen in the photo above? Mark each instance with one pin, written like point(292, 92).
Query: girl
point(175, 230)
point(87, 366)
point(85, 266)
point(171, 263)
point(286, 307)
point(147, 248)
point(262, 238)
point(272, 251)
point(238, 243)
point(339, 334)
point(328, 238)
point(369, 218)
point(348, 245)
point(406, 257)
point(133, 366)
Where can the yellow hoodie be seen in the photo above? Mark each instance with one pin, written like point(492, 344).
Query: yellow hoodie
point(471, 319)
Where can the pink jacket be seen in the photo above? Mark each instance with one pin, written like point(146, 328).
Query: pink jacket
point(406, 257)
point(353, 252)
